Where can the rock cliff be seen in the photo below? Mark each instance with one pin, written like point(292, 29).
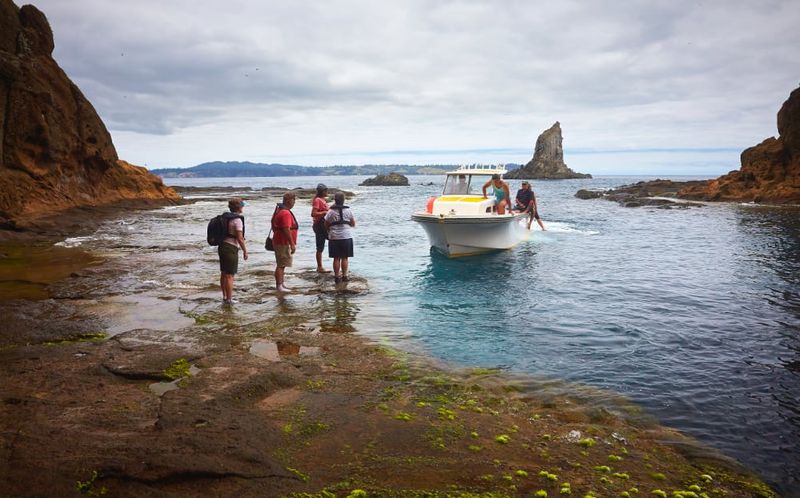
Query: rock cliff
point(55, 151)
point(770, 171)
point(548, 159)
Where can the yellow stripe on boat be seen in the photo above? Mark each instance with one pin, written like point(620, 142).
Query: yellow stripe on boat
point(460, 198)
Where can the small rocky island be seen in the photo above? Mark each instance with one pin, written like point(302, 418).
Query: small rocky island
point(390, 180)
point(55, 151)
point(548, 159)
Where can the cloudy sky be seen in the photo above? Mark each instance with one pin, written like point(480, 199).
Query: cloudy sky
point(642, 87)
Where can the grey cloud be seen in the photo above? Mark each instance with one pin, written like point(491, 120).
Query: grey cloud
point(656, 74)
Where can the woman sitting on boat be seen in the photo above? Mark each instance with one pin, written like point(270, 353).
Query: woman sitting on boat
point(502, 196)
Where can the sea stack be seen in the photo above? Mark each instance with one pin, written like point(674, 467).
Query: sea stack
point(770, 171)
point(548, 159)
point(55, 151)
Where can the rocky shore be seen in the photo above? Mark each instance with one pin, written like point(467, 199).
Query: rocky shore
point(127, 377)
point(769, 172)
point(55, 152)
point(655, 193)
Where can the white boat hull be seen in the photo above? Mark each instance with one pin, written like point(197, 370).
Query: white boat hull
point(456, 236)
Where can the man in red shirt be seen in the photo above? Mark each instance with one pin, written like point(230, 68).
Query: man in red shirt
point(284, 224)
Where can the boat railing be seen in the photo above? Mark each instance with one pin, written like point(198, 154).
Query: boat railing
point(482, 168)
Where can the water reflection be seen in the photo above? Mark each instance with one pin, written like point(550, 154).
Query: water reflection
point(487, 271)
point(338, 314)
point(27, 270)
point(771, 246)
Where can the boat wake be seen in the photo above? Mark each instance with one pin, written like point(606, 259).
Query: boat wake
point(557, 227)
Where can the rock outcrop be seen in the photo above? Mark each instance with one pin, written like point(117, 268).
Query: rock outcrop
point(390, 180)
point(770, 171)
point(655, 193)
point(55, 151)
point(548, 159)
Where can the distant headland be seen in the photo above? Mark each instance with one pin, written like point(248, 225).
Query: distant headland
point(233, 169)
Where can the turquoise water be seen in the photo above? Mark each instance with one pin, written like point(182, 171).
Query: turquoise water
point(694, 314)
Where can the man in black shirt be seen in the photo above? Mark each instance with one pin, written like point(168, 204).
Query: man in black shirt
point(526, 202)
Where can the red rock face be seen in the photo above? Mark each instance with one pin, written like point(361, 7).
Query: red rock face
point(55, 151)
point(770, 171)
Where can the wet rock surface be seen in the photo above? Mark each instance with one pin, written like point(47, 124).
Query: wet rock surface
point(654, 193)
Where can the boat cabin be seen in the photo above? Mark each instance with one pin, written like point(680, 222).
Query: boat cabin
point(462, 194)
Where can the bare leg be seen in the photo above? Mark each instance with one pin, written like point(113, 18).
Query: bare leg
point(320, 269)
point(222, 286)
point(279, 271)
point(501, 208)
point(345, 266)
point(337, 264)
point(230, 286)
point(539, 221)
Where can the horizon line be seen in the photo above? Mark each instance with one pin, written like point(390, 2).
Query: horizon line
point(496, 150)
point(518, 150)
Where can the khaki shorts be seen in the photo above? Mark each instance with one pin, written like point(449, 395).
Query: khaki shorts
point(283, 256)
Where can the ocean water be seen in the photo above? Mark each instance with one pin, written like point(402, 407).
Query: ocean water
point(694, 314)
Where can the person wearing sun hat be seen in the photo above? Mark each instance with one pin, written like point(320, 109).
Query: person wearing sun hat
point(526, 202)
point(228, 249)
point(319, 206)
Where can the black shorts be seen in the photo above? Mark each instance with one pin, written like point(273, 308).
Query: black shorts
point(320, 235)
point(228, 258)
point(342, 248)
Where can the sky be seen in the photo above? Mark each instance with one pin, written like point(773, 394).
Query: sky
point(639, 87)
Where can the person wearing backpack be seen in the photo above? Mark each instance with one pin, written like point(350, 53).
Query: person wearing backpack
point(339, 222)
point(228, 248)
point(284, 224)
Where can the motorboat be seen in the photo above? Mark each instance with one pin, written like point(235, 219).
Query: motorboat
point(462, 222)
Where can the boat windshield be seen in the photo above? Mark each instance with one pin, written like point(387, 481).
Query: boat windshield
point(457, 184)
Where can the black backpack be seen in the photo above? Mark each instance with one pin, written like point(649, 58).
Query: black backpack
point(218, 228)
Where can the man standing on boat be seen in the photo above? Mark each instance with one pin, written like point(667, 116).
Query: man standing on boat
point(502, 196)
point(526, 203)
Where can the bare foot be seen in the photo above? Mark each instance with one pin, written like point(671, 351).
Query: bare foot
point(322, 270)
